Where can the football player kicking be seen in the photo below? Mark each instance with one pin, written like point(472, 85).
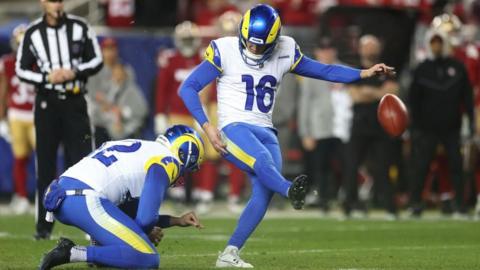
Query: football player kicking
point(87, 195)
point(249, 69)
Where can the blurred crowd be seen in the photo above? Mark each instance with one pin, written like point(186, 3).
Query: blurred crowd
point(327, 130)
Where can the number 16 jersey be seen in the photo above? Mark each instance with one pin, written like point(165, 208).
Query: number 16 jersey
point(247, 93)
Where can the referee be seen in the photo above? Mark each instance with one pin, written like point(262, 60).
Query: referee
point(58, 53)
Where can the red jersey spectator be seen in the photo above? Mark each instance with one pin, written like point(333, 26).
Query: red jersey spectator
point(175, 65)
point(20, 97)
point(208, 11)
point(119, 13)
point(296, 12)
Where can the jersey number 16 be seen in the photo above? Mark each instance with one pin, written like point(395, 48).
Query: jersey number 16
point(262, 90)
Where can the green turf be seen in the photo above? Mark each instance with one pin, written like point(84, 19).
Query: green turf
point(286, 244)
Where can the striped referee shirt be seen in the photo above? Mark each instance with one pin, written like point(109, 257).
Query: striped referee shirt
point(71, 44)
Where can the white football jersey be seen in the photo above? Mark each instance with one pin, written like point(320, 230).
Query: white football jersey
point(119, 168)
point(246, 93)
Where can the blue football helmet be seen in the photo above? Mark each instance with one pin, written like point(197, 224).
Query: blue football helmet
point(187, 144)
point(261, 26)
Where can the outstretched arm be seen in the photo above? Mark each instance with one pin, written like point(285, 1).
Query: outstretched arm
point(337, 73)
point(165, 221)
point(186, 220)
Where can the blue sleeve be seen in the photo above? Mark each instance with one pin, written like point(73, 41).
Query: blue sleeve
point(308, 67)
point(153, 193)
point(203, 74)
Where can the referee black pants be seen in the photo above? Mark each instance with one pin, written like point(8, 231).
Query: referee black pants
point(424, 148)
point(58, 119)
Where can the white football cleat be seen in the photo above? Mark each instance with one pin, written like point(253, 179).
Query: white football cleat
point(230, 258)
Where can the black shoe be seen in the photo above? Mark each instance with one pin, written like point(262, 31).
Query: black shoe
point(298, 191)
point(42, 236)
point(57, 256)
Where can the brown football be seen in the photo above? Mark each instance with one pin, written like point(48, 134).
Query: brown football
point(392, 115)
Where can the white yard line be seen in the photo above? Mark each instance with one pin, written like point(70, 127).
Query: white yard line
point(317, 251)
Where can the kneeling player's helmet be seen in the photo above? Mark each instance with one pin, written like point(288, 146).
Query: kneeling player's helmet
point(261, 26)
point(187, 144)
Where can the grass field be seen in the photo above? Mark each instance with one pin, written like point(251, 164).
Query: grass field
point(285, 243)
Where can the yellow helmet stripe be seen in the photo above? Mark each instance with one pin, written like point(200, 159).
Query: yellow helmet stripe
point(246, 22)
point(274, 31)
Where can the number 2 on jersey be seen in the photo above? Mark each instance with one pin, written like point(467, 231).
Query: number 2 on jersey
point(262, 89)
point(109, 160)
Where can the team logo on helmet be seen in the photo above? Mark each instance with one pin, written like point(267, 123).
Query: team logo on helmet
point(187, 144)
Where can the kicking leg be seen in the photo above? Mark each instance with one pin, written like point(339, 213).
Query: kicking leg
point(256, 207)
point(249, 153)
point(299, 187)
